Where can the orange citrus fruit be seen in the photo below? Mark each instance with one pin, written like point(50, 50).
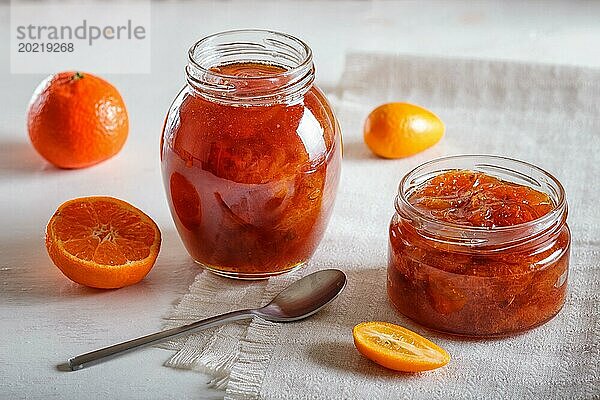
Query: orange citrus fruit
point(397, 130)
point(102, 242)
point(398, 348)
point(76, 120)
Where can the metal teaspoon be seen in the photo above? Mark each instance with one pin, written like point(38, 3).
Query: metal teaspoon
point(301, 299)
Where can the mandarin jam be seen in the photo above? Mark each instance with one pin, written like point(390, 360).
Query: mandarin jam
point(466, 255)
point(476, 199)
point(251, 184)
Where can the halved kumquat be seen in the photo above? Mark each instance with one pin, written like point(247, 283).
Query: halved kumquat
point(398, 348)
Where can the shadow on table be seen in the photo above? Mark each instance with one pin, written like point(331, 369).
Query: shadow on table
point(344, 357)
point(20, 157)
point(367, 286)
point(28, 276)
point(338, 352)
point(358, 151)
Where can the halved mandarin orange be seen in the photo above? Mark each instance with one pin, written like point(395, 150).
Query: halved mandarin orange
point(398, 348)
point(102, 242)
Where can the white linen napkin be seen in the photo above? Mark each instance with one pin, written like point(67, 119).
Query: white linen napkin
point(546, 115)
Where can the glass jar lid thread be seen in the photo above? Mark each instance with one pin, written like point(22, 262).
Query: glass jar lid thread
point(294, 76)
point(484, 238)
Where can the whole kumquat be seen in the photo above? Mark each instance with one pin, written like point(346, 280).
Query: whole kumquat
point(397, 130)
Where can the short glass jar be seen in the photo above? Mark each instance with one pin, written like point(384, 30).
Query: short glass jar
point(250, 155)
point(479, 281)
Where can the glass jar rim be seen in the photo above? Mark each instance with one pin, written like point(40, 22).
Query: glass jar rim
point(307, 59)
point(537, 226)
point(259, 46)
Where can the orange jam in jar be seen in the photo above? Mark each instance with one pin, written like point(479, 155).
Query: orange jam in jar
point(251, 155)
point(479, 246)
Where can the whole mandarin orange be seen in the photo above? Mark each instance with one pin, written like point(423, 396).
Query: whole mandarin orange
point(397, 130)
point(76, 120)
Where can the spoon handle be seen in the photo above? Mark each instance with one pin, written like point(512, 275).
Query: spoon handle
point(96, 356)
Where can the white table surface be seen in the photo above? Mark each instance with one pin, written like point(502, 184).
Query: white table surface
point(46, 318)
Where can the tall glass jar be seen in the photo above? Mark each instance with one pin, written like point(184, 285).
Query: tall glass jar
point(250, 155)
point(479, 281)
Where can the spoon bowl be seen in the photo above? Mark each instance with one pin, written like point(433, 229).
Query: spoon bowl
point(304, 297)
